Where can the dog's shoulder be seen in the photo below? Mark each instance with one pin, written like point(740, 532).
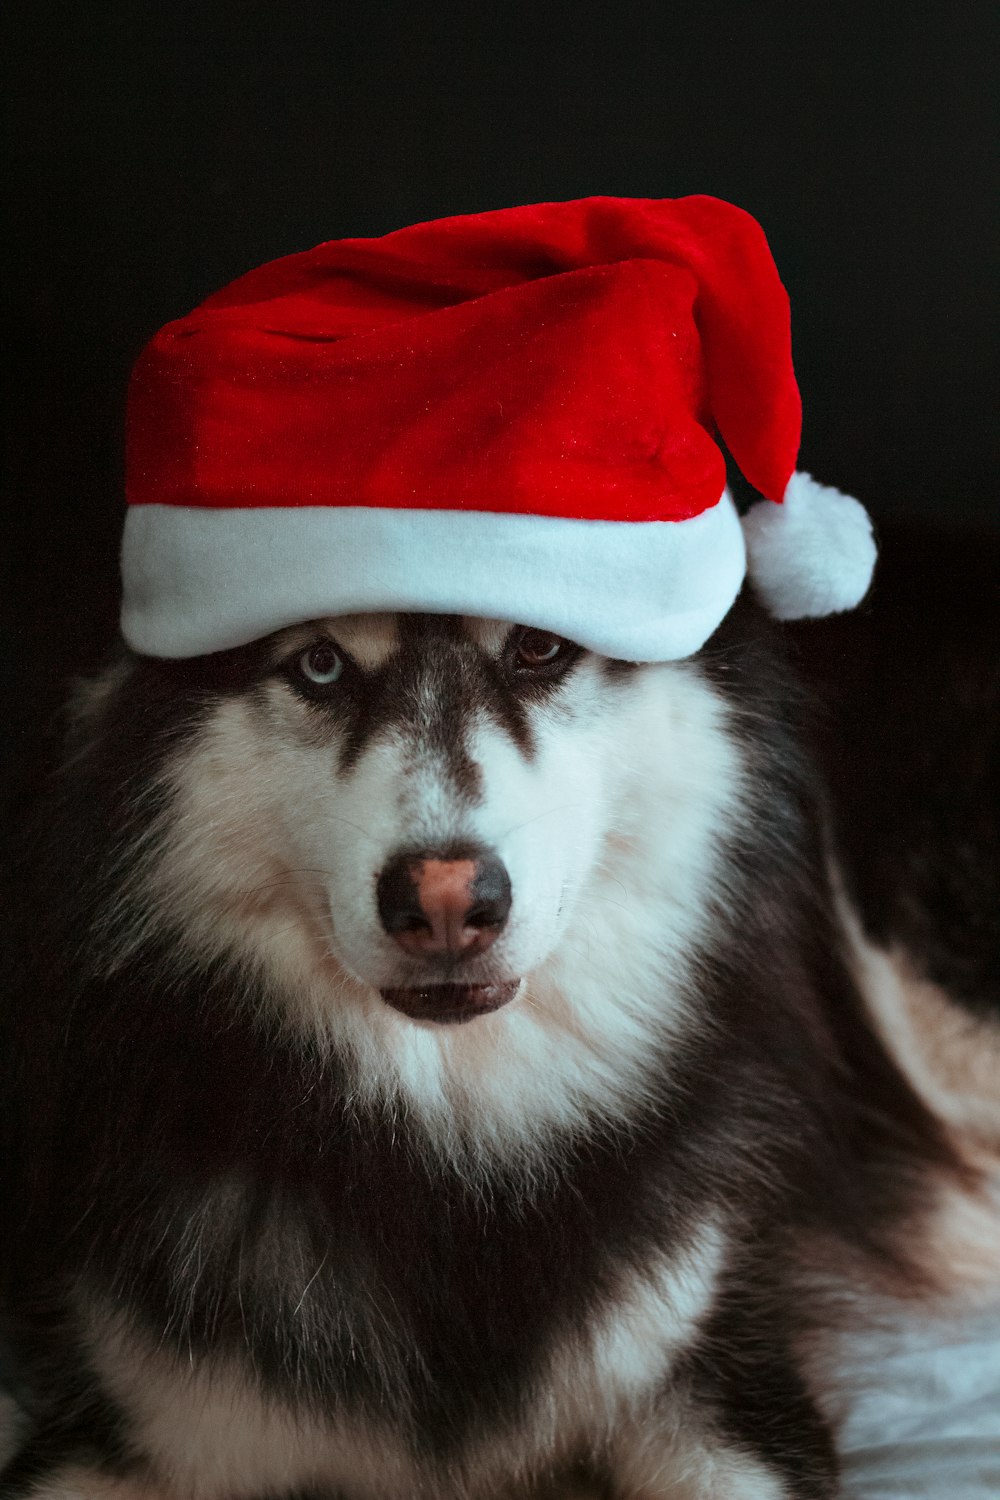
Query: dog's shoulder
point(907, 732)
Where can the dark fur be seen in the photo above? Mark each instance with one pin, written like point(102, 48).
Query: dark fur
point(909, 742)
point(126, 1097)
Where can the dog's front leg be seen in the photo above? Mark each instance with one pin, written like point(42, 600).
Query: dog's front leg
point(694, 1469)
point(704, 1451)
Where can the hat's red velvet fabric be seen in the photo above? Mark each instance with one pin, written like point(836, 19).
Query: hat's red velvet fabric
point(569, 359)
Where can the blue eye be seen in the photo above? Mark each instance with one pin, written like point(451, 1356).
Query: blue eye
point(320, 664)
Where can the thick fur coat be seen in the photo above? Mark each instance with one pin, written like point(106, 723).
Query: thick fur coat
point(271, 1238)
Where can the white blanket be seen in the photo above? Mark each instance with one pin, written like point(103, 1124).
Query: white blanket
point(923, 1420)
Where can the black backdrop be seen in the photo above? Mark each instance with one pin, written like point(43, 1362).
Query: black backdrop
point(159, 150)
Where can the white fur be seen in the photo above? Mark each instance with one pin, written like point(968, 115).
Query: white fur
point(597, 1377)
point(610, 834)
point(951, 1057)
point(814, 554)
point(693, 1465)
point(210, 1435)
point(952, 1060)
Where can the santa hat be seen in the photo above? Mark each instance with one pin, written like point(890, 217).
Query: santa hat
point(510, 414)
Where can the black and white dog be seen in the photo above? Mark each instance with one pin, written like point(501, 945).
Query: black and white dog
point(445, 1063)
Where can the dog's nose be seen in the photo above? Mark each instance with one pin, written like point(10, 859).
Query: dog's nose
point(437, 906)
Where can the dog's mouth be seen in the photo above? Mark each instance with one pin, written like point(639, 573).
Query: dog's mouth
point(449, 1004)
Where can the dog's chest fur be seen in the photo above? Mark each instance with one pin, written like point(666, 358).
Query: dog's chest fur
point(375, 1294)
point(210, 1430)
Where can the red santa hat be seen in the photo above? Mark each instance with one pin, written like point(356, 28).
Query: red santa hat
point(512, 414)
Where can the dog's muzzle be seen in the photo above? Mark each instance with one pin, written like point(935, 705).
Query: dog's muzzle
point(450, 1004)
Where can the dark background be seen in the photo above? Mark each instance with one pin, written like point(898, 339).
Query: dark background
point(159, 151)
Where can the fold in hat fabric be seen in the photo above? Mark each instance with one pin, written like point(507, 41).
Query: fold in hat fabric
point(383, 424)
point(563, 359)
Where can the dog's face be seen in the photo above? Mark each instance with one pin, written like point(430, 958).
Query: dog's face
point(472, 856)
point(439, 791)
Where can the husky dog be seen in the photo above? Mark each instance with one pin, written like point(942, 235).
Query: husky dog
point(440, 1070)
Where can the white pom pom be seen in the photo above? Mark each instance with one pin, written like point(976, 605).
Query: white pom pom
point(812, 555)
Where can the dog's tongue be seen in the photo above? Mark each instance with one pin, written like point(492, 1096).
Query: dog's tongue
point(450, 1003)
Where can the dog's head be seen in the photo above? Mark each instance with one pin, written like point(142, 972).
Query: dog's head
point(475, 858)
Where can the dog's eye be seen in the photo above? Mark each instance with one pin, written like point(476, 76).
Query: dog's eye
point(539, 648)
point(321, 664)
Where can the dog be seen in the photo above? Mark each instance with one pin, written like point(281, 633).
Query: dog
point(449, 1063)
